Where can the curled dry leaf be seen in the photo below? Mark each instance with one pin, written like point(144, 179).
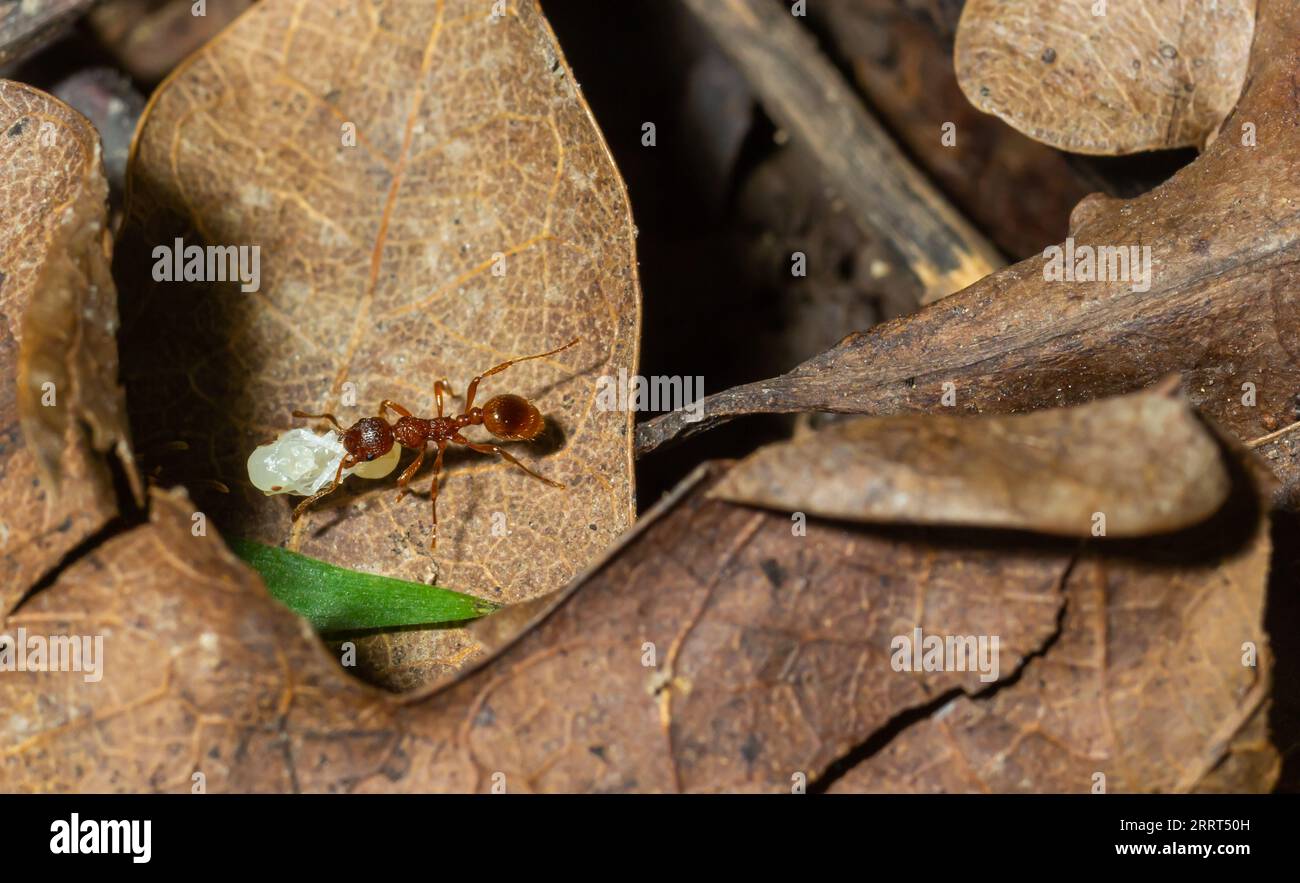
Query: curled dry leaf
point(1139, 75)
point(1144, 461)
point(1221, 241)
point(1147, 687)
point(431, 197)
point(60, 407)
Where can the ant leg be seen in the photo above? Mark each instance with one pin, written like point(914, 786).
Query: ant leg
point(408, 473)
point(346, 463)
point(473, 384)
point(329, 417)
point(386, 404)
point(505, 455)
point(437, 393)
point(433, 491)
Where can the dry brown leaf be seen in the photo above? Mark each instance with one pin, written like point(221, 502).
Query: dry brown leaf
point(771, 658)
point(196, 658)
point(474, 150)
point(1144, 461)
point(60, 406)
point(1141, 75)
point(1146, 684)
point(1223, 307)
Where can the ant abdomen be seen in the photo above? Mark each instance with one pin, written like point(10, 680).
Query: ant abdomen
point(512, 418)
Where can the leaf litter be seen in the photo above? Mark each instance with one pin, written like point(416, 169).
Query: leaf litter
point(739, 635)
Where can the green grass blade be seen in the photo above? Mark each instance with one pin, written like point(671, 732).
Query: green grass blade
point(339, 600)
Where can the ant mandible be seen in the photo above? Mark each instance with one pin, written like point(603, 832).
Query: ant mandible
point(508, 417)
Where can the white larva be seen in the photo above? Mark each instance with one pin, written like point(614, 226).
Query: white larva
point(301, 462)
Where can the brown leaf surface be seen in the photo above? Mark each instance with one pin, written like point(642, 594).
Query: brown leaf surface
point(1222, 310)
point(1145, 684)
point(472, 142)
point(1145, 461)
point(771, 658)
point(1146, 75)
point(55, 485)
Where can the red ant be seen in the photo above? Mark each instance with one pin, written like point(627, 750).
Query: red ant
point(508, 417)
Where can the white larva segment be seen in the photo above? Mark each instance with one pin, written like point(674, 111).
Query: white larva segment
point(301, 462)
point(377, 468)
point(298, 462)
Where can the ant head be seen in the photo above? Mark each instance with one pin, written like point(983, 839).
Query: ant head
point(512, 418)
point(368, 439)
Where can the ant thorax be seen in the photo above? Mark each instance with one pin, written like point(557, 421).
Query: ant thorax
point(416, 432)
